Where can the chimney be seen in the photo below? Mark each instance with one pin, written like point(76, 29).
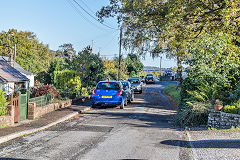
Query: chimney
point(10, 59)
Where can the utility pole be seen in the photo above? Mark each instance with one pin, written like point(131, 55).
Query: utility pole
point(160, 67)
point(119, 56)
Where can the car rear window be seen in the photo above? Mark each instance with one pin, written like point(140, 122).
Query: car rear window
point(125, 84)
point(134, 80)
point(108, 85)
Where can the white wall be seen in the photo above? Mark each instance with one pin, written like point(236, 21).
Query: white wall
point(31, 78)
point(7, 87)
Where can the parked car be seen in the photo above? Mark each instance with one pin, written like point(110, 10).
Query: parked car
point(109, 93)
point(128, 90)
point(136, 84)
point(149, 79)
point(142, 79)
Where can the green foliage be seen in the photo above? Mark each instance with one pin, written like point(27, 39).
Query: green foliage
point(230, 109)
point(32, 55)
point(47, 77)
point(74, 84)
point(3, 103)
point(89, 67)
point(134, 65)
point(66, 51)
point(84, 92)
point(234, 96)
point(192, 114)
point(172, 91)
point(3, 126)
point(61, 78)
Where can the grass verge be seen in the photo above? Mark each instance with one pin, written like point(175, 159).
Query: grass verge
point(173, 92)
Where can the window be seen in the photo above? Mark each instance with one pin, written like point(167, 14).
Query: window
point(108, 85)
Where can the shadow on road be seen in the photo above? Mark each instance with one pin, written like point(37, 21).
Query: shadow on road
point(150, 120)
point(204, 143)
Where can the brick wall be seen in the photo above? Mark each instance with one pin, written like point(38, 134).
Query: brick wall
point(8, 120)
point(35, 111)
point(222, 120)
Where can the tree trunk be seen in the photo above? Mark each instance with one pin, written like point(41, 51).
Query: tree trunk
point(179, 71)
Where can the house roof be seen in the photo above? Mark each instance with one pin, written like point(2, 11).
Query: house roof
point(10, 74)
point(17, 66)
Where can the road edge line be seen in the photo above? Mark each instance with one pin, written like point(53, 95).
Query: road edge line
point(194, 154)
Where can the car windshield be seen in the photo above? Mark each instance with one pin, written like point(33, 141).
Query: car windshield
point(108, 85)
point(125, 84)
point(134, 80)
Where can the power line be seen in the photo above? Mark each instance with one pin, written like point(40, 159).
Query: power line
point(80, 13)
point(93, 16)
point(87, 6)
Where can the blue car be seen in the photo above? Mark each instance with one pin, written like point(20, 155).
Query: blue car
point(109, 93)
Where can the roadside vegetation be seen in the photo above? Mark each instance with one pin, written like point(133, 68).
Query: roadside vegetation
point(173, 92)
point(205, 37)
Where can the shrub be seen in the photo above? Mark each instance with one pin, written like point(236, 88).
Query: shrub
point(193, 114)
point(84, 92)
point(230, 109)
point(61, 78)
point(44, 90)
point(3, 103)
point(74, 84)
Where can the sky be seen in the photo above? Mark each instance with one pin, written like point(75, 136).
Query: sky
point(56, 22)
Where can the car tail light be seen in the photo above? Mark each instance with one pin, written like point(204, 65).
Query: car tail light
point(119, 92)
point(94, 92)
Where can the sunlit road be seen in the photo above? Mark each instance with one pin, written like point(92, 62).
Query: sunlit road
point(143, 130)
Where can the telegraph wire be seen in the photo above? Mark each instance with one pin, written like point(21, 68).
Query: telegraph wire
point(93, 16)
point(87, 6)
point(81, 14)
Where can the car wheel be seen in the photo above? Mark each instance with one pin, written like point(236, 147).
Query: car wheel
point(132, 99)
point(93, 105)
point(126, 102)
point(122, 105)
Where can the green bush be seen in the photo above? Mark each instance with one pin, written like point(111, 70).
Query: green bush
point(3, 103)
point(230, 109)
point(62, 78)
point(193, 114)
point(84, 92)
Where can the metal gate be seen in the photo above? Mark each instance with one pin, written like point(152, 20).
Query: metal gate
point(23, 106)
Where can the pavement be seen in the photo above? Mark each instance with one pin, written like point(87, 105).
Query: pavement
point(48, 120)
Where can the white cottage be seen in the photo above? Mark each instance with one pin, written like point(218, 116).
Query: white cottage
point(11, 79)
point(15, 65)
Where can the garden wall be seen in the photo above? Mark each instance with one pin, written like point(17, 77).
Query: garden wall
point(222, 120)
point(37, 111)
point(8, 120)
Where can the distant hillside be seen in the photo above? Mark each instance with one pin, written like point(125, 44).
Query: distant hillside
point(152, 69)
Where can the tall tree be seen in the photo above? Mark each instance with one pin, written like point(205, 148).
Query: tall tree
point(66, 50)
point(158, 26)
point(31, 54)
point(134, 65)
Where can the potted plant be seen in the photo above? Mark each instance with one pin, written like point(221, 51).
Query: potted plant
point(218, 105)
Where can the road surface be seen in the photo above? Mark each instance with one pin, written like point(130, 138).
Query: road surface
point(143, 130)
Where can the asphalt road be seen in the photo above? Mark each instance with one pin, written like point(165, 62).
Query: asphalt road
point(143, 130)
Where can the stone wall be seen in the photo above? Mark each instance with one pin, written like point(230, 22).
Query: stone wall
point(222, 120)
point(8, 120)
point(36, 111)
